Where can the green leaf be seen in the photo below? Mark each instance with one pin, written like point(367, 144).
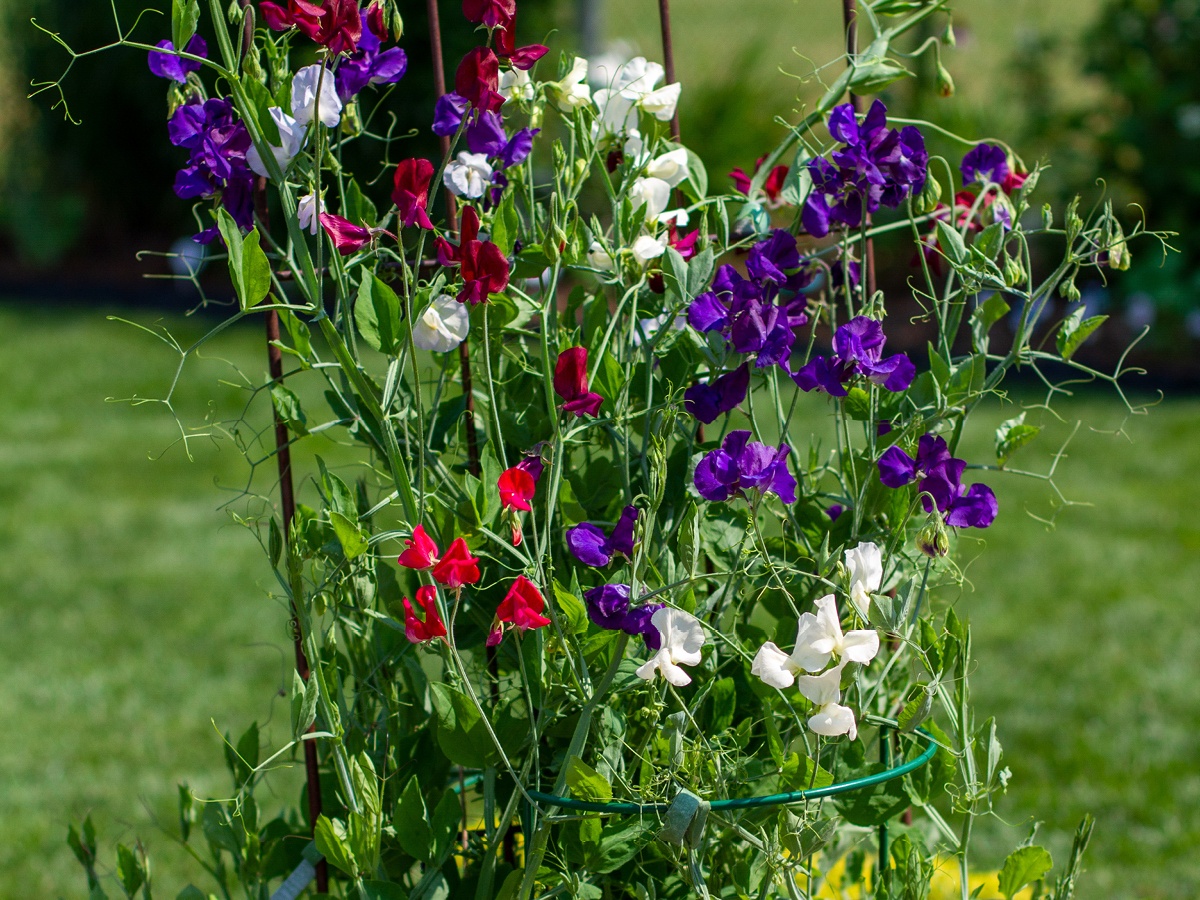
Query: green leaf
point(330, 837)
point(1012, 435)
point(191, 892)
point(377, 314)
point(586, 783)
point(1023, 866)
point(185, 15)
point(129, 870)
point(572, 609)
point(249, 267)
point(917, 709)
point(986, 315)
point(446, 820)
point(384, 890)
point(857, 404)
point(287, 407)
point(951, 243)
point(619, 843)
point(989, 241)
point(411, 822)
point(699, 271)
point(874, 75)
point(357, 206)
point(723, 700)
point(1074, 330)
point(349, 535)
point(506, 224)
point(461, 733)
point(697, 177)
point(304, 705)
point(608, 380)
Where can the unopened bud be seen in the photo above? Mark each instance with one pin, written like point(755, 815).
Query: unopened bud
point(932, 540)
point(1069, 292)
point(931, 196)
point(351, 125)
point(948, 35)
point(1014, 274)
point(397, 23)
point(945, 84)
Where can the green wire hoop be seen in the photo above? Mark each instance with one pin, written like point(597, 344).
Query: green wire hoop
point(845, 787)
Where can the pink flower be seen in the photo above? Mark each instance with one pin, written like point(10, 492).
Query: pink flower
point(457, 567)
point(421, 552)
point(521, 607)
point(571, 383)
point(433, 627)
point(411, 195)
point(346, 236)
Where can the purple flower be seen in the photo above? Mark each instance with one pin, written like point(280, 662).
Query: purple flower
point(985, 162)
point(721, 395)
point(940, 477)
point(485, 134)
point(835, 510)
point(608, 607)
point(740, 465)
point(448, 114)
point(217, 143)
point(169, 65)
point(857, 350)
point(589, 545)
point(367, 65)
point(771, 260)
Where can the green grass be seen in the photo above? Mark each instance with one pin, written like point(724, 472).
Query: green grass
point(134, 614)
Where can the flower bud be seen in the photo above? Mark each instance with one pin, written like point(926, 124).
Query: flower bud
point(932, 540)
point(948, 35)
point(930, 196)
point(1014, 274)
point(945, 84)
point(1069, 292)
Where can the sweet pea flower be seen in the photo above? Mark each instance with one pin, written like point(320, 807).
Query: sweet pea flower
point(940, 477)
point(590, 546)
point(599, 258)
point(740, 465)
point(443, 325)
point(484, 270)
point(346, 236)
point(723, 394)
point(653, 193)
point(468, 175)
point(478, 77)
point(515, 84)
point(521, 58)
point(572, 91)
point(858, 350)
point(818, 639)
point(865, 565)
point(608, 607)
point(985, 163)
point(335, 24)
point(661, 103)
point(457, 567)
point(680, 638)
point(370, 64)
point(646, 249)
point(491, 13)
point(166, 63)
point(411, 193)
point(772, 184)
point(517, 487)
point(521, 608)
point(307, 210)
point(307, 104)
point(415, 630)
point(571, 383)
point(420, 551)
point(825, 691)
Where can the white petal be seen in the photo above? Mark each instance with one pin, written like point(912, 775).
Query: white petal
point(860, 646)
point(831, 720)
point(809, 633)
point(682, 634)
point(773, 666)
point(599, 258)
point(861, 600)
point(443, 325)
point(677, 217)
point(291, 134)
point(647, 248)
point(307, 211)
point(661, 103)
point(638, 77)
point(305, 104)
point(617, 113)
point(670, 167)
point(674, 674)
point(653, 192)
point(865, 565)
point(824, 688)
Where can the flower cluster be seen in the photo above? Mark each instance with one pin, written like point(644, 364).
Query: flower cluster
point(592, 547)
point(482, 265)
point(608, 606)
point(874, 166)
point(940, 477)
point(741, 465)
point(217, 142)
point(335, 24)
point(857, 350)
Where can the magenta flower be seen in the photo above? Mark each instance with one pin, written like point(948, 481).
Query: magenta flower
point(741, 465)
point(411, 194)
point(346, 236)
point(571, 383)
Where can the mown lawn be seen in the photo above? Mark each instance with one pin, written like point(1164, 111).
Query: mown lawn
point(139, 621)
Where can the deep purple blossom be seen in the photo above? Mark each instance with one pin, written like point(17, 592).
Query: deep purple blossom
point(874, 166)
point(169, 65)
point(608, 607)
point(485, 134)
point(369, 65)
point(985, 162)
point(857, 350)
point(217, 142)
point(589, 545)
point(721, 395)
point(940, 478)
point(448, 114)
point(740, 465)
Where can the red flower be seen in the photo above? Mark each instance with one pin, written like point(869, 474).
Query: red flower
point(336, 25)
point(433, 627)
point(478, 77)
point(1013, 181)
point(522, 606)
point(570, 383)
point(457, 567)
point(516, 488)
point(484, 271)
point(447, 253)
point(411, 195)
point(772, 186)
point(420, 552)
point(518, 57)
point(375, 21)
point(346, 236)
point(491, 13)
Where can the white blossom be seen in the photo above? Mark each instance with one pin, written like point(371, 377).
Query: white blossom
point(682, 637)
point(618, 113)
point(654, 193)
point(648, 328)
point(662, 102)
point(305, 103)
point(515, 84)
point(599, 258)
point(671, 167)
point(291, 133)
point(468, 176)
point(443, 325)
point(677, 217)
point(819, 639)
point(647, 248)
point(865, 565)
point(307, 211)
point(825, 692)
point(572, 92)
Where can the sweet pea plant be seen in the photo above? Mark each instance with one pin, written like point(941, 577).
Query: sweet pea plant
point(626, 554)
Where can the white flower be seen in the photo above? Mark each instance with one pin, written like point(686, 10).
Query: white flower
point(819, 639)
point(865, 565)
point(515, 84)
point(291, 133)
point(469, 176)
point(636, 83)
point(305, 104)
point(572, 92)
point(599, 258)
point(653, 192)
point(670, 167)
point(443, 326)
point(652, 326)
point(677, 217)
point(661, 103)
point(634, 149)
point(307, 211)
point(682, 637)
point(638, 77)
point(647, 248)
point(825, 690)
point(618, 113)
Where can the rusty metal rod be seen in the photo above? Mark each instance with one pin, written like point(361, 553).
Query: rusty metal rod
point(664, 18)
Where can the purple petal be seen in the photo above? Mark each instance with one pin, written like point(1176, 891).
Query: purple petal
point(859, 340)
point(637, 621)
point(517, 149)
point(716, 476)
point(588, 545)
point(389, 66)
point(976, 508)
point(843, 124)
point(816, 214)
point(448, 114)
point(621, 539)
point(608, 605)
point(896, 468)
point(486, 134)
point(986, 162)
point(707, 313)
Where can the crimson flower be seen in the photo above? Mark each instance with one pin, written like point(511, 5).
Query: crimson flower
point(411, 195)
point(346, 236)
point(415, 630)
point(420, 552)
point(477, 79)
point(492, 13)
point(337, 25)
point(516, 488)
point(457, 567)
point(571, 383)
point(518, 57)
point(484, 271)
point(521, 607)
point(772, 186)
point(375, 21)
point(447, 253)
